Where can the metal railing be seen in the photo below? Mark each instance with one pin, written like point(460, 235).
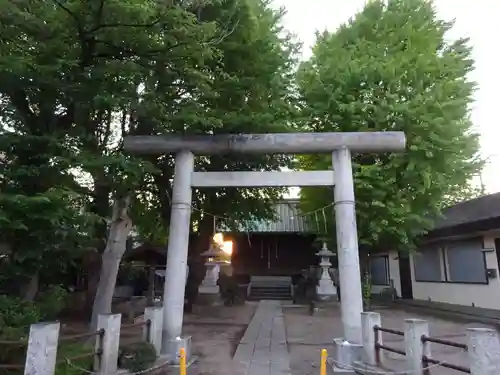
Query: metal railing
point(379, 347)
point(426, 360)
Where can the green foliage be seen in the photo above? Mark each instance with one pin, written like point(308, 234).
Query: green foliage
point(52, 301)
point(68, 366)
point(367, 289)
point(137, 356)
point(391, 68)
point(79, 76)
point(16, 316)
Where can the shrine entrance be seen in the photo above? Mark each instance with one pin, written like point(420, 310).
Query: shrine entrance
point(272, 254)
point(339, 145)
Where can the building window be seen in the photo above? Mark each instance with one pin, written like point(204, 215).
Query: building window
point(466, 262)
point(379, 270)
point(427, 264)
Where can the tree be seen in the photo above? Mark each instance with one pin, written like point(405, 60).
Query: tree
point(76, 77)
point(70, 86)
point(391, 68)
point(253, 79)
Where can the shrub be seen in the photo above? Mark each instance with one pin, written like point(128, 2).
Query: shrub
point(137, 357)
point(16, 316)
point(52, 301)
point(228, 288)
point(17, 313)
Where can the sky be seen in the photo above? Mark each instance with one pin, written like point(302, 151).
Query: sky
point(474, 19)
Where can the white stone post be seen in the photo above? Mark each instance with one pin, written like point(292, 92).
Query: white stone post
point(415, 349)
point(370, 320)
point(325, 289)
point(152, 331)
point(42, 349)
point(176, 269)
point(347, 246)
point(108, 343)
point(483, 351)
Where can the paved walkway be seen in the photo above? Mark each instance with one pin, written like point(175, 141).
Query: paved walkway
point(263, 349)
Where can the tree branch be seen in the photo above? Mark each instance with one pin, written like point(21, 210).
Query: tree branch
point(20, 102)
point(117, 25)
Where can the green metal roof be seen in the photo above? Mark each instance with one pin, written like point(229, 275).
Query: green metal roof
point(289, 220)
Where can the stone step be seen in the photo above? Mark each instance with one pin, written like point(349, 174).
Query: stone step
point(268, 291)
point(271, 278)
point(271, 298)
point(271, 287)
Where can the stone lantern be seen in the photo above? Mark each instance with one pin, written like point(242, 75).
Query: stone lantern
point(208, 286)
point(325, 289)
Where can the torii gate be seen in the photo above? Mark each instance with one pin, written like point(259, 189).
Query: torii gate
point(339, 144)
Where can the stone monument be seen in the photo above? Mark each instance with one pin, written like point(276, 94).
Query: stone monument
point(325, 289)
point(208, 291)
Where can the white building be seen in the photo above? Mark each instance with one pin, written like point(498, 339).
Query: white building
point(458, 262)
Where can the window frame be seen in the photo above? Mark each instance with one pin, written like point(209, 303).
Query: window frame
point(387, 269)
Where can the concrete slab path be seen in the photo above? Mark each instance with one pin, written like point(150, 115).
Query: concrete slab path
point(263, 349)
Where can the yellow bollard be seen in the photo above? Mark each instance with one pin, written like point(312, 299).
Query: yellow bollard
point(182, 361)
point(322, 367)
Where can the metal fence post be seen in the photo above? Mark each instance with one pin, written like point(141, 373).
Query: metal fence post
point(415, 349)
point(41, 353)
point(371, 337)
point(483, 351)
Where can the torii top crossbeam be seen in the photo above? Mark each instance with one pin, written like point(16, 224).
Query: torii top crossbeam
point(279, 143)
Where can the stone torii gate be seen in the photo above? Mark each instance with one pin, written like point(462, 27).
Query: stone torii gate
point(339, 144)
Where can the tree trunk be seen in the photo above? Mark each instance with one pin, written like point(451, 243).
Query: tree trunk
point(93, 260)
point(205, 234)
point(92, 268)
point(115, 248)
point(31, 288)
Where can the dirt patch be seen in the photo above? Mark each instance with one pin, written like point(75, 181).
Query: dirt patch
point(236, 340)
point(216, 332)
point(307, 335)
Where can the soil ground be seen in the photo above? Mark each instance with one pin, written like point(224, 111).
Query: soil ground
point(216, 332)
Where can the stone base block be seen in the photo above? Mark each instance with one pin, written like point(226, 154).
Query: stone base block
point(327, 297)
point(208, 289)
point(208, 297)
point(326, 290)
point(173, 349)
point(347, 355)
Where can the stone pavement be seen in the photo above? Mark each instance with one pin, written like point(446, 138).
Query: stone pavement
point(263, 348)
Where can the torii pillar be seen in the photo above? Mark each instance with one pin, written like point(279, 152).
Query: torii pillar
point(340, 145)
